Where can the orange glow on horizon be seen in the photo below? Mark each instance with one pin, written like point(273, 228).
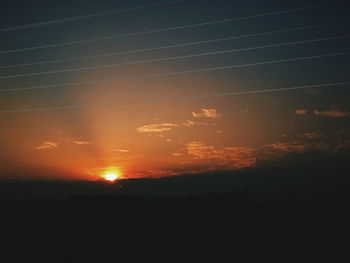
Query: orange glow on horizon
point(112, 174)
point(111, 177)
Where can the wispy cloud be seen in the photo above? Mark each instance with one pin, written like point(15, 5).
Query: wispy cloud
point(300, 112)
point(334, 113)
point(313, 92)
point(190, 123)
point(201, 150)
point(288, 147)
point(120, 150)
point(47, 145)
point(156, 128)
point(81, 142)
point(232, 157)
point(164, 127)
point(207, 113)
point(312, 135)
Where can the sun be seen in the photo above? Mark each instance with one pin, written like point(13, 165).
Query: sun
point(111, 176)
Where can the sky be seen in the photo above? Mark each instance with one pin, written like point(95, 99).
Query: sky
point(166, 88)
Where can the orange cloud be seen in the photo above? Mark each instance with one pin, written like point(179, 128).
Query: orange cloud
point(190, 123)
point(120, 150)
point(289, 147)
point(242, 156)
point(334, 113)
point(343, 145)
point(231, 157)
point(81, 142)
point(200, 150)
point(156, 128)
point(313, 92)
point(312, 135)
point(207, 113)
point(47, 145)
point(300, 112)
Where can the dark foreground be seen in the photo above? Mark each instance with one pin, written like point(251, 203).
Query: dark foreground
point(214, 228)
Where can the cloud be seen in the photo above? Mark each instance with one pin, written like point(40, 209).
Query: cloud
point(81, 142)
point(230, 157)
point(342, 146)
point(47, 145)
point(190, 123)
point(241, 156)
point(334, 113)
point(313, 92)
point(163, 127)
point(207, 113)
point(300, 112)
point(156, 128)
point(337, 143)
point(200, 150)
point(289, 147)
point(120, 150)
point(343, 133)
point(208, 157)
point(312, 135)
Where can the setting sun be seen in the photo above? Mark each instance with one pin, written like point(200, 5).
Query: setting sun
point(111, 174)
point(110, 177)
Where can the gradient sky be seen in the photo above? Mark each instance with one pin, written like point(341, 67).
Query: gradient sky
point(164, 138)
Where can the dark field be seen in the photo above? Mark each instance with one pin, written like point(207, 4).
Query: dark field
point(212, 228)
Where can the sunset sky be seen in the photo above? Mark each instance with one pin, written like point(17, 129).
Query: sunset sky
point(159, 125)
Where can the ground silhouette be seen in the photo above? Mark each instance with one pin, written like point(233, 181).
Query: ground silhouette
point(210, 228)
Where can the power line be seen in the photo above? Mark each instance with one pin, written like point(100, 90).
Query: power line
point(76, 18)
point(176, 73)
point(166, 47)
point(174, 58)
point(159, 30)
point(84, 106)
point(58, 34)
